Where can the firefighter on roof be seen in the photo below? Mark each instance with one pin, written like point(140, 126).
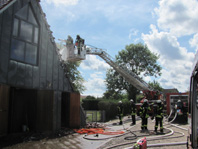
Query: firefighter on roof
point(158, 111)
point(144, 114)
point(133, 112)
point(120, 111)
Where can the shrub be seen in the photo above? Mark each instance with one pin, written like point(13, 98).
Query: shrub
point(110, 108)
point(90, 103)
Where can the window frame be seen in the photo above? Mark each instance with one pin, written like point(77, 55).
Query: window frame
point(18, 38)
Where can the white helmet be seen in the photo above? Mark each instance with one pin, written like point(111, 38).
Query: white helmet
point(158, 101)
point(120, 102)
point(131, 100)
point(145, 100)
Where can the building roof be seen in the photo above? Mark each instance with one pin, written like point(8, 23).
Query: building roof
point(4, 3)
point(174, 90)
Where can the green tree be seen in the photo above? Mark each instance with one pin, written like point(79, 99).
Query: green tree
point(73, 73)
point(136, 58)
point(155, 85)
point(90, 98)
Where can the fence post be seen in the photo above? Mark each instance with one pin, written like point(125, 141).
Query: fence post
point(96, 116)
point(103, 115)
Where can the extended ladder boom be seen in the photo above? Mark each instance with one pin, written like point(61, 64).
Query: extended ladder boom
point(76, 53)
point(124, 72)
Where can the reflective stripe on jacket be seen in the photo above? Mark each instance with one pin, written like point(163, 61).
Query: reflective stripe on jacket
point(144, 111)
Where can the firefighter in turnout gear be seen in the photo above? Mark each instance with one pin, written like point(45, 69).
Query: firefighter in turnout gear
point(133, 112)
point(79, 43)
point(69, 40)
point(120, 111)
point(158, 112)
point(144, 114)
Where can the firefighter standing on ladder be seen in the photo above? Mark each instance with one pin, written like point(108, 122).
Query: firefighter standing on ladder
point(158, 110)
point(144, 114)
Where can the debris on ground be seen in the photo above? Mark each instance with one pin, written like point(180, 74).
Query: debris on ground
point(16, 138)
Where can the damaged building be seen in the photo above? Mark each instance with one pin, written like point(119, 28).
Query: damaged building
point(34, 91)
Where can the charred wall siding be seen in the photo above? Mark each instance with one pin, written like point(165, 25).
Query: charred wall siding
point(48, 74)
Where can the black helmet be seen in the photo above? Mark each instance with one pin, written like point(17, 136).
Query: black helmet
point(78, 36)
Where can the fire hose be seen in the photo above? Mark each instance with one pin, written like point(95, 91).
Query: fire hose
point(121, 133)
point(157, 137)
point(152, 139)
point(98, 131)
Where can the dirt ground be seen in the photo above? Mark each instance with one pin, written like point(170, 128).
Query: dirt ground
point(68, 139)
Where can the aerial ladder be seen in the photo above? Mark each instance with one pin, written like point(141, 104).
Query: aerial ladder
point(78, 51)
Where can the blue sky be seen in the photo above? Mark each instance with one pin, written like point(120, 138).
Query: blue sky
point(168, 27)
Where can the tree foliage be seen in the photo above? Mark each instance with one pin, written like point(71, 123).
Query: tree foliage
point(155, 85)
point(136, 58)
point(90, 98)
point(75, 76)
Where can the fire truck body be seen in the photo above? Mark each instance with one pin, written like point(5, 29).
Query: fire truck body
point(193, 108)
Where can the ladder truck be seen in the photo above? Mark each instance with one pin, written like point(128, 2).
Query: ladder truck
point(78, 51)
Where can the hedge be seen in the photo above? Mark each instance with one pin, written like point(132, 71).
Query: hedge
point(110, 108)
point(90, 104)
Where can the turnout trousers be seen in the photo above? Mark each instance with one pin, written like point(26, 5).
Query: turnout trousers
point(144, 123)
point(133, 119)
point(159, 121)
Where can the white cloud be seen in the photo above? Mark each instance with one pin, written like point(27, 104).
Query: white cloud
point(166, 45)
point(194, 41)
point(95, 82)
point(97, 75)
point(175, 60)
point(93, 63)
point(175, 79)
point(178, 16)
point(95, 85)
point(62, 2)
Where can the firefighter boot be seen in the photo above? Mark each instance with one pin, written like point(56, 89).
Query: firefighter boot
point(155, 129)
point(142, 129)
point(146, 129)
